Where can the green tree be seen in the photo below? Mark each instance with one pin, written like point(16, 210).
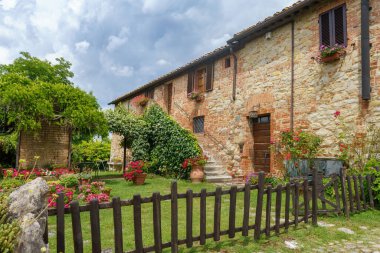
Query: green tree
point(33, 91)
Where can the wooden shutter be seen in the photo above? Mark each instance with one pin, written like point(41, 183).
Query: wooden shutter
point(324, 26)
point(340, 25)
point(209, 77)
point(149, 93)
point(190, 82)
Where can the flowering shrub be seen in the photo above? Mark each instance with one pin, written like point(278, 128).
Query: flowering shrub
point(296, 145)
point(273, 180)
point(101, 197)
point(54, 189)
point(134, 168)
point(36, 172)
point(200, 160)
point(94, 190)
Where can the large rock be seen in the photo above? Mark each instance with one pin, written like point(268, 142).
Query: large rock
point(28, 205)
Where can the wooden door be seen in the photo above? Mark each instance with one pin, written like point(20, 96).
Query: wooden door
point(261, 147)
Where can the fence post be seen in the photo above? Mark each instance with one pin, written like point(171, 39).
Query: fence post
point(314, 196)
point(362, 191)
point(344, 192)
point(77, 227)
point(137, 222)
point(350, 194)
point(189, 218)
point(203, 217)
point(217, 212)
point(118, 228)
point(306, 199)
point(156, 199)
point(369, 183)
point(95, 226)
point(259, 206)
point(247, 201)
point(357, 193)
point(287, 206)
point(296, 203)
point(174, 217)
point(278, 208)
point(231, 226)
point(61, 223)
point(268, 211)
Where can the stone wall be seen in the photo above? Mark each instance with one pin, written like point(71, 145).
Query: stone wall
point(264, 83)
point(51, 144)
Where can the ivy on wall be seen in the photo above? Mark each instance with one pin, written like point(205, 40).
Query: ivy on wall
point(155, 137)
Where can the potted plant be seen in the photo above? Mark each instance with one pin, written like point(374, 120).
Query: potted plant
point(136, 172)
point(329, 54)
point(196, 164)
point(196, 95)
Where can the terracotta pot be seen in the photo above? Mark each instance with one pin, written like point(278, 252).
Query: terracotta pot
point(197, 174)
point(139, 179)
point(331, 58)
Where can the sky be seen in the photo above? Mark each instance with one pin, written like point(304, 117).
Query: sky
point(116, 46)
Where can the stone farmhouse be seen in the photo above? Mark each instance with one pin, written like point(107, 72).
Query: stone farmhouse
point(267, 79)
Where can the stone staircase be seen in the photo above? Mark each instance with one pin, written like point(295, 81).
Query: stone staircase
point(214, 171)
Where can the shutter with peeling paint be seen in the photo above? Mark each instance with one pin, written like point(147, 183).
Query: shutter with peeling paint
point(209, 77)
point(340, 26)
point(324, 24)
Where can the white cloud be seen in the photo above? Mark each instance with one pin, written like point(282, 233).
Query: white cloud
point(5, 56)
point(82, 46)
point(217, 42)
point(125, 71)
point(115, 42)
point(162, 62)
point(155, 6)
point(62, 51)
point(8, 4)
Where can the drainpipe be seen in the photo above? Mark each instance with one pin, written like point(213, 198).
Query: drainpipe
point(235, 71)
point(365, 48)
point(292, 83)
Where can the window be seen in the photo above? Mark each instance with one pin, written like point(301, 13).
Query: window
point(227, 62)
point(262, 119)
point(200, 80)
point(333, 27)
point(198, 124)
point(149, 93)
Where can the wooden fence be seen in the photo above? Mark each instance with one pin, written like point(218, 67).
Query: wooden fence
point(299, 211)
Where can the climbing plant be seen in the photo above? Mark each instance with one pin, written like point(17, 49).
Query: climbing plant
point(155, 137)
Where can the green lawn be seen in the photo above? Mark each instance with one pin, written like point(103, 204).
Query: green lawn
point(309, 236)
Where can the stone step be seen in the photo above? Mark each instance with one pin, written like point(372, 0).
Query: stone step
point(215, 173)
point(218, 179)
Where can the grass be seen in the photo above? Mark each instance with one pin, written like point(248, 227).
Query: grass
point(309, 236)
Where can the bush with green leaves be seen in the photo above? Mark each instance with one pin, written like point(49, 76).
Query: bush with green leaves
point(9, 229)
point(69, 180)
point(134, 130)
point(157, 138)
point(171, 144)
point(91, 151)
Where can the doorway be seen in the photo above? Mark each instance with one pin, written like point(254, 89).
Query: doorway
point(261, 146)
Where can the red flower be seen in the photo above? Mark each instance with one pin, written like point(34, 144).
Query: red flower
point(296, 138)
point(288, 156)
point(185, 164)
point(336, 114)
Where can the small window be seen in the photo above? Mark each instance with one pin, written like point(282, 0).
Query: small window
point(262, 119)
point(199, 124)
point(227, 62)
point(333, 27)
